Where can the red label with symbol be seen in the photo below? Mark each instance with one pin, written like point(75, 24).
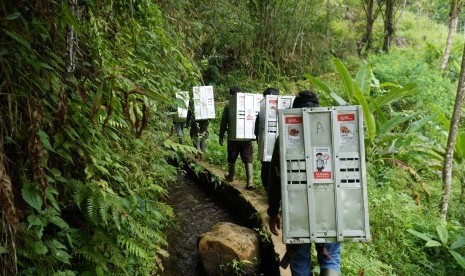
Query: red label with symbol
point(345, 117)
point(293, 120)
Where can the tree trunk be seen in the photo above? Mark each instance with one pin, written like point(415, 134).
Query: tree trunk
point(389, 25)
point(71, 41)
point(367, 38)
point(448, 159)
point(371, 15)
point(453, 20)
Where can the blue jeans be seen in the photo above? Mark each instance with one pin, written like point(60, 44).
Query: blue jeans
point(329, 257)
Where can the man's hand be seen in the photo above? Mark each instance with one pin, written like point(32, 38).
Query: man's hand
point(221, 141)
point(274, 223)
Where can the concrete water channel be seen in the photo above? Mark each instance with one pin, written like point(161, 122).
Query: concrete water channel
point(248, 206)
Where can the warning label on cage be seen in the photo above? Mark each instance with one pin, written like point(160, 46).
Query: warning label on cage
point(322, 168)
point(346, 128)
point(294, 130)
point(272, 103)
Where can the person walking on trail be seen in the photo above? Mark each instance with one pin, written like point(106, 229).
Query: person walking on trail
point(236, 148)
point(298, 255)
point(178, 127)
point(265, 164)
point(180, 116)
point(198, 130)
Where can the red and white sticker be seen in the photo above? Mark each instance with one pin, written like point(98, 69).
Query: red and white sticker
point(294, 120)
point(322, 164)
point(346, 117)
point(294, 131)
point(346, 128)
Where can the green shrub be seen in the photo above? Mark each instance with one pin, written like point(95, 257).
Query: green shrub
point(392, 212)
point(89, 166)
point(406, 67)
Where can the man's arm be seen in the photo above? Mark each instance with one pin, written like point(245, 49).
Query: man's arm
point(190, 113)
point(274, 191)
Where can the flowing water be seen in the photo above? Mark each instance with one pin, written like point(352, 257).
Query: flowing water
point(197, 211)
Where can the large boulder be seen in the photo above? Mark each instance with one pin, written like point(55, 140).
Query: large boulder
point(229, 249)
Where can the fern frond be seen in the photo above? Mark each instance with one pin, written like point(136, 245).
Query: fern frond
point(103, 208)
point(93, 256)
point(115, 218)
point(369, 265)
point(145, 233)
point(133, 247)
point(79, 192)
point(90, 208)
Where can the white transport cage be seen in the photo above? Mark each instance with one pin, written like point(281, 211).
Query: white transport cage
point(204, 102)
point(182, 96)
point(268, 123)
point(243, 110)
point(323, 175)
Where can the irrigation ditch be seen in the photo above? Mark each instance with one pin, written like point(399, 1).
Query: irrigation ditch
point(218, 200)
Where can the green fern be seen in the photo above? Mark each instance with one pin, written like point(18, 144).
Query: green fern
point(131, 231)
point(133, 247)
point(90, 204)
point(115, 219)
point(371, 266)
point(103, 210)
point(79, 192)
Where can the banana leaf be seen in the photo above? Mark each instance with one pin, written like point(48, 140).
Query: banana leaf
point(394, 122)
point(394, 94)
point(346, 78)
point(363, 78)
point(326, 88)
point(319, 83)
point(415, 126)
point(429, 154)
point(441, 118)
point(368, 117)
point(380, 114)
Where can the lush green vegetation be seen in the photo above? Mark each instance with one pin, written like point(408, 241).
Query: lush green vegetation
point(81, 88)
point(86, 90)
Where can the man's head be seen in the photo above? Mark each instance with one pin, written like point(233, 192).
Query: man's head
point(234, 90)
point(270, 91)
point(305, 98)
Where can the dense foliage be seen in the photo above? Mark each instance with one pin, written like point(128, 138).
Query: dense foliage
point(81, 87)
point(86, 91)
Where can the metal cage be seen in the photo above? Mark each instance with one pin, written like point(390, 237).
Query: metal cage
point(323, 175)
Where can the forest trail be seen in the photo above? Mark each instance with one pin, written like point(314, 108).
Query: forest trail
point(259, 203)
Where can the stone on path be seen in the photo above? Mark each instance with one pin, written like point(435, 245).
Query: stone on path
point(228, 248)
